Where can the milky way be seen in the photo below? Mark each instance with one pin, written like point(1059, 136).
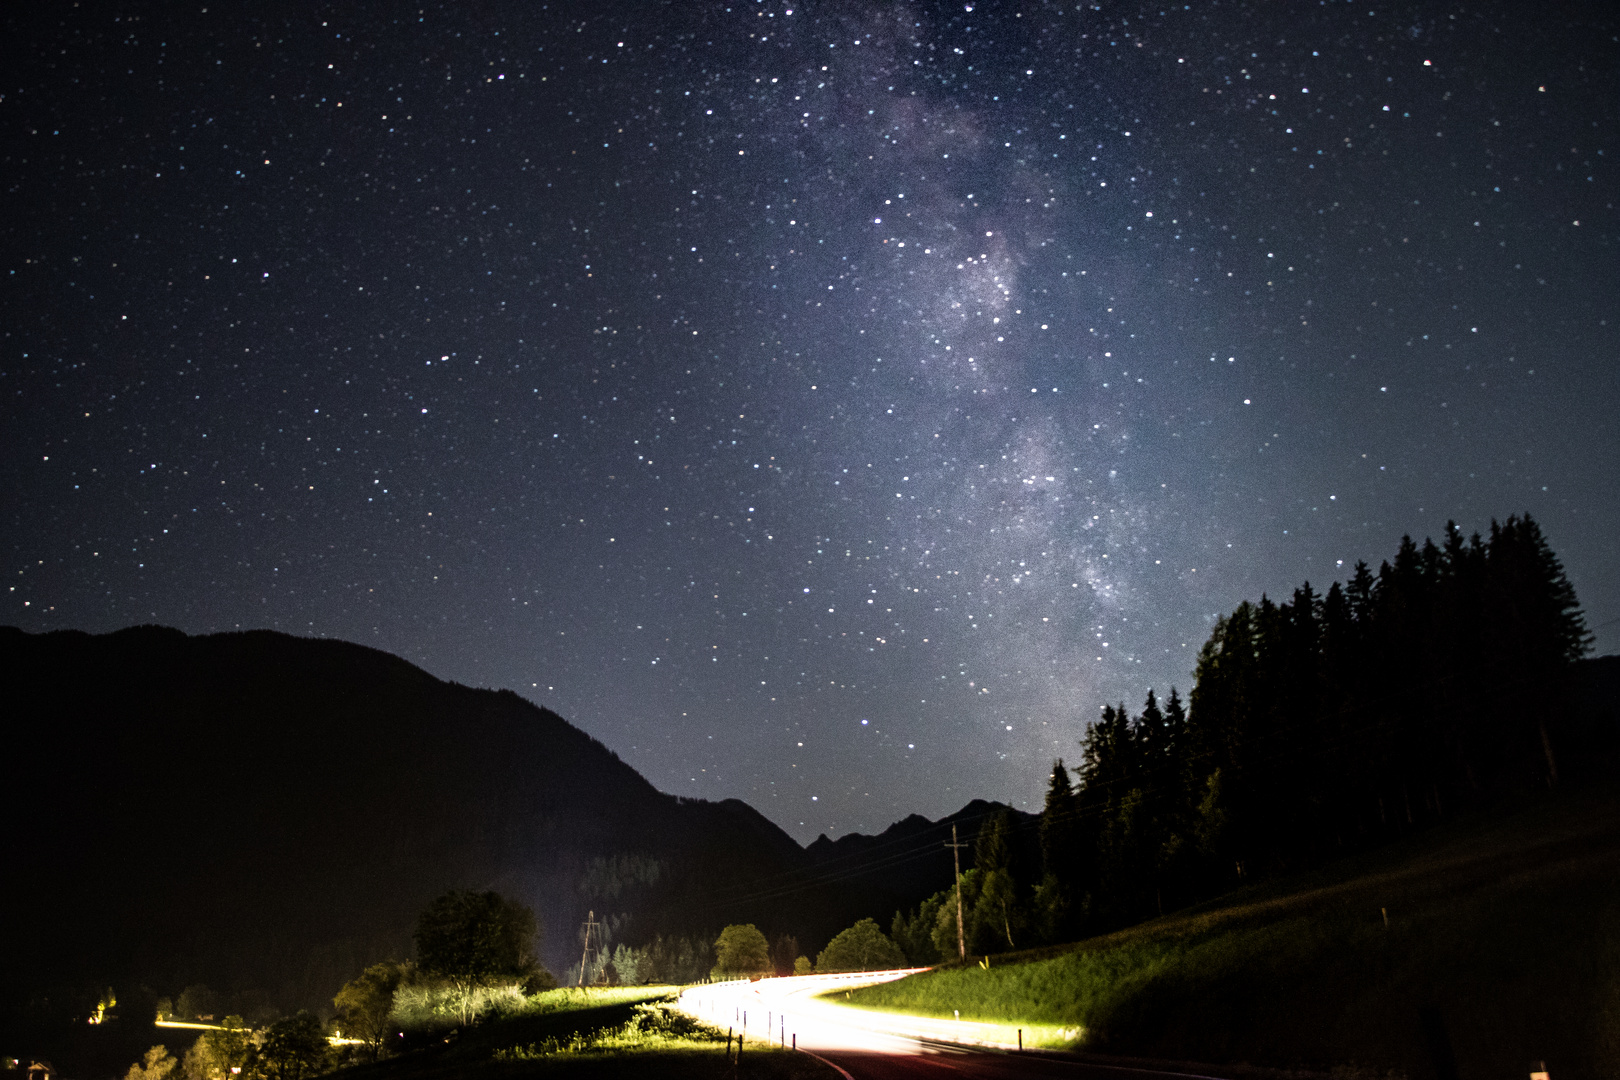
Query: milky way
point(827, 405)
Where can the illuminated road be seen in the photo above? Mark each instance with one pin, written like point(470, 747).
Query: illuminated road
point(865, 1045)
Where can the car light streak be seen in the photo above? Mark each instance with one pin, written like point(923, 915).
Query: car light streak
point(796, 1014)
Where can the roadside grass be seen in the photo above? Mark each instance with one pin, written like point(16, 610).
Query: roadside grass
point(630, 1032)
point(1509, 927)
point(657, 1025)
point(432, 1008)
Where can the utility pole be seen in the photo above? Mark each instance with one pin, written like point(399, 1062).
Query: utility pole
point(956, 854)
point(592, 929)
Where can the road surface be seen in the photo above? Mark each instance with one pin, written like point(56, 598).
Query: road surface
point(865, 1045)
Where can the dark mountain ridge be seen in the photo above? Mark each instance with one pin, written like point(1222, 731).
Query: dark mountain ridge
point(912, 858)
point(259, 811)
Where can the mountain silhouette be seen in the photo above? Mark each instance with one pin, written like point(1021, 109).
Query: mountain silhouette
point(262, 812)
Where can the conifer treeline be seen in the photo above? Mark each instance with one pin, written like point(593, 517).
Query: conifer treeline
point(1316, 725)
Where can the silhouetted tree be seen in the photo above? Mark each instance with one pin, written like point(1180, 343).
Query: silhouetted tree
point(469, 938)
point(784, 950)
point(998, 911)
point(1318, 723)
point(292, 1048)
point(196, 1002)
point(944, 929)
point(1060, 853)
point(364, 1004)
point(220, 1054)
point(915, 934)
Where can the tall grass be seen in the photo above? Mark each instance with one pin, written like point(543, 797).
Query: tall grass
point(653, 1027)
point(431, 1006)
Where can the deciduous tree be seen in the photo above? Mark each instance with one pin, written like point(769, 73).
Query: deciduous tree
point(219, 1054)
point(863, 947)
point(292, 1048)
point(158, 1064)
point(364, 1005)
point(469, 938)
point(741, 950)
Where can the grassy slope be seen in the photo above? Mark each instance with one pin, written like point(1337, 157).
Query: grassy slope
point(474, 1054)
point(1510, 926)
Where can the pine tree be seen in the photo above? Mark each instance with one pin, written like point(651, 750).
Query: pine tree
point(1223, 722)
point(1059, 857)
point(1325, 722)
point(999, 913)
point(1181, 778)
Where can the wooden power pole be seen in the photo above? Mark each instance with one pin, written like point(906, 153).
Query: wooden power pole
point(956, 854)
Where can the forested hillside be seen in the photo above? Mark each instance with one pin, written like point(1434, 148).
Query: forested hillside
point(1448, 681)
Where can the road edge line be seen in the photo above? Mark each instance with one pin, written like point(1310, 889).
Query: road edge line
point(838, 1068)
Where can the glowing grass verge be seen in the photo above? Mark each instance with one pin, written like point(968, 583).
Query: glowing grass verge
point(426, 1006)
point(1054, 1001)
point(571, 998)
point(656, 1026)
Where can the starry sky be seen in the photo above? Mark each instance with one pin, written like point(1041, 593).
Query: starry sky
point(825, 404)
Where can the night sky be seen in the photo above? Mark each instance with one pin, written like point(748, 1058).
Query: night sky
point(829, 405)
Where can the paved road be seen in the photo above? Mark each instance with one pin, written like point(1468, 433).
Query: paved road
point(957, 1063)
point(866, 1045)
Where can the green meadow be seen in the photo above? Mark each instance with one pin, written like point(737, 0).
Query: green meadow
point(1502, 932)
